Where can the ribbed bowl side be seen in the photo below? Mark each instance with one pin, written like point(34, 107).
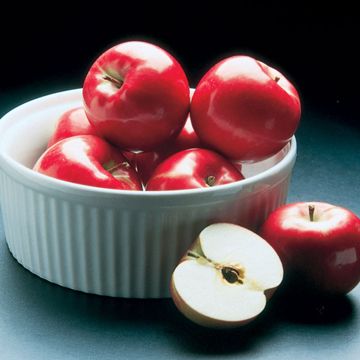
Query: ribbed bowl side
point(255, 204)
point(115, 251)
point(104, 251)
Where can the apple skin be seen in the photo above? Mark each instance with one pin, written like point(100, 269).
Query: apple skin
point(146, 162)
point(245, 109)
point(88, 160)
point(191, 169)
point(137, 96)
point(71, 123)
point(187, 138)
point(324, 253)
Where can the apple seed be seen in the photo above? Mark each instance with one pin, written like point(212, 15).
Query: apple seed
point(231, 275)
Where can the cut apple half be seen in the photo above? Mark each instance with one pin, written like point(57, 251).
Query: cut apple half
point(226, 277)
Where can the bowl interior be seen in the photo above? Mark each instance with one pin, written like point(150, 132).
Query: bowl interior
point(254, 168)
point(26, 138)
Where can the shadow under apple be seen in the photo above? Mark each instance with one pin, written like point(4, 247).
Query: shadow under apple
point(303, 304)
point(196, 339)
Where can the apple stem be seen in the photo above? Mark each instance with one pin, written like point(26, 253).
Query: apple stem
point(198, 256)
point(117, 82)
point(311, 212)
point(210, 180)
point(193, 254)
point(113, 167)
point(276, 78)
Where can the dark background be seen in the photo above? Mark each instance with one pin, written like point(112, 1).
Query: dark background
point(49, 47)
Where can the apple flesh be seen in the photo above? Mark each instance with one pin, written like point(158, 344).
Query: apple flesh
point(319, 244)
point(88, 160)
point(226, 277)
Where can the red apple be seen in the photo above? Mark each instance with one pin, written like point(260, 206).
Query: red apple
point(146, 162)
point(193, 168)
point(187, 138)
point(137, 96)
point(318, 242)
point(245, 109)
point(71, 123)
point(88, 160)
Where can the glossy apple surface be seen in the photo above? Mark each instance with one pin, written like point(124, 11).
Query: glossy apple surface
point(245, 109)
point(318, 242)
point(71, 123)
point(137, 96)
point(193, 168)
point(146, 162)
point(88, 160)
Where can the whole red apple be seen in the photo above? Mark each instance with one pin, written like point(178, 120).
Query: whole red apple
point(71, 123)
point(146, 162)
point(193, 168)
point(245, 109)
point(88, 160)
point(137, 96)
point(318, 242)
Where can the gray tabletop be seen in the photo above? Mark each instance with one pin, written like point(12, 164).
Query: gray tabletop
point(40, 320)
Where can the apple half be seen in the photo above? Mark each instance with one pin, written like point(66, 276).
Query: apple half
point(226, 277)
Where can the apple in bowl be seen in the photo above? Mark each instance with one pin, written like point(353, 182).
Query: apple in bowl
point(245, 109)
point(146, 162)
point(191, 169)
point(137, 96)
point(72, 122)
point(88, 160)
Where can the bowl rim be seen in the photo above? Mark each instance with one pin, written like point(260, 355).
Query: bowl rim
point(65, 186)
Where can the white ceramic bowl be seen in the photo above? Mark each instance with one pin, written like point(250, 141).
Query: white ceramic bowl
point(113, 242)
